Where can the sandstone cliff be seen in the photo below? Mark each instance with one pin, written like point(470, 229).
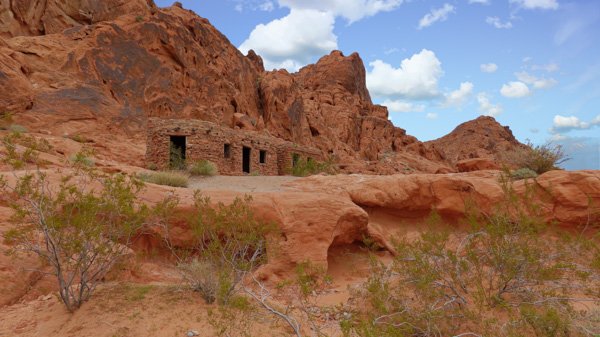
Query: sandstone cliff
point(101, 68)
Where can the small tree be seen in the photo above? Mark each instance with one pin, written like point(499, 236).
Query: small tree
point(538, 158)
point(80, 225)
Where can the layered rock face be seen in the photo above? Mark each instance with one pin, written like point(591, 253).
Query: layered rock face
point(63, 72)
point(479, 138)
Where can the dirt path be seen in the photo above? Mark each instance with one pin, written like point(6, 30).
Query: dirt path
point(241, 184)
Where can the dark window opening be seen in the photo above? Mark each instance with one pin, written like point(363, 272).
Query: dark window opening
point(177, 152)
point(227, 151)
point(263, 156)
point(246, 152)
point(295, 159)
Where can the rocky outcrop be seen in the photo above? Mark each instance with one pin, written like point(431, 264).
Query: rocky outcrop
point(40, 17)
point(476, 164)
point(483, 137)
point(104, 77)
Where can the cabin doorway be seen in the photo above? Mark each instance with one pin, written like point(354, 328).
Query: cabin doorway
point(246, 152)
point(177, 152)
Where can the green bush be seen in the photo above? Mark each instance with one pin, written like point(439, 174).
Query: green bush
point(230, 243)
point(308, 167)
point(78, 230)
point(203, 168)
point(166, 178)
point(538, 158)
point(17, 128)
point(523, 173)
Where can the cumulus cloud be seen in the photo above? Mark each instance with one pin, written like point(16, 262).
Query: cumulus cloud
point(416, 78)
point(459, 97)
point(488, 67)
point(431, 115)
point(402, 106)
point(486, 106)
point(435, 15)
point(290, 42)
point(536, 82)
point(536, 4)
point(570, 123)
point(515, 90)
point(352, 10)
point(306, 33)
point(482, 2)
point(496, 22)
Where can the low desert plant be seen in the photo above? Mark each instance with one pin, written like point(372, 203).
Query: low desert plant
point(523, 173)
point(203, 168)
point(17, 128)
point(538, 158)
point(230, 243)
point(304, 168)
point(166, 178)
point(80, 225)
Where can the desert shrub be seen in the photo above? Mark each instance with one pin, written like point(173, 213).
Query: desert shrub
point(5, 120)
point(230, 243)
point(304, 168)
point(166, 178)
point(83, 158)
point(17, 128)
point(203, 168)
point(76, 229)
point(523, 173)
point(538, 158)
point(79, 138)
point(500, 278)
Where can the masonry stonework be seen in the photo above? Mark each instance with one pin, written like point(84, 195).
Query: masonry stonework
point(223, 146)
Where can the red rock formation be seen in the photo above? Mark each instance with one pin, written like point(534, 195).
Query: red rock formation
point(135, 60)
point(479, 138)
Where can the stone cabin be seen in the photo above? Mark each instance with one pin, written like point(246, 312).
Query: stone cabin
point(235, 152)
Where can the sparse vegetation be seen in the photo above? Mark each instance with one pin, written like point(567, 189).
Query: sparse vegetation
point(230, 243)
point(308, 167)
point(166, 178)
point(523, 173)
point(76, 229)
point(203, 168)
point(17, 128)
point(538, 158)
point(501, 278)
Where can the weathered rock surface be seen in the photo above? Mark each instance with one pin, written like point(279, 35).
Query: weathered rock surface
point(476, 164)
point(479, 138)
point(104, 77)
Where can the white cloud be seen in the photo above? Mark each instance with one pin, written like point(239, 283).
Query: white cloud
point(435, 15)
point(538, 83)
point(266, 6)
point(489, 67)
point(402, 106)
point(482, 2)
point(569, 123)
point(459, 97)
point(431, 115)
point(487, 107)
point(536, 4)
point(352, 10)
point(416, 78)
point(496, 22)
point(290, 42)
point(550, 67)
point(515, 90)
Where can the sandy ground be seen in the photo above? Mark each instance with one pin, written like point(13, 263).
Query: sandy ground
point(241, 184)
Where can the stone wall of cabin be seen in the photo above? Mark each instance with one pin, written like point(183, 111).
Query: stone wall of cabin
point(206, 140)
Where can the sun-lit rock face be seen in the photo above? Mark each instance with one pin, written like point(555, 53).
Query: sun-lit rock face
point(61, 71)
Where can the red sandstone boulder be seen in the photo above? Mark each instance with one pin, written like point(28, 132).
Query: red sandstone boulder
point(479, 138)
point(477, 164)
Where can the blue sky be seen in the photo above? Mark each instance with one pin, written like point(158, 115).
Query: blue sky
point(532, 64)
